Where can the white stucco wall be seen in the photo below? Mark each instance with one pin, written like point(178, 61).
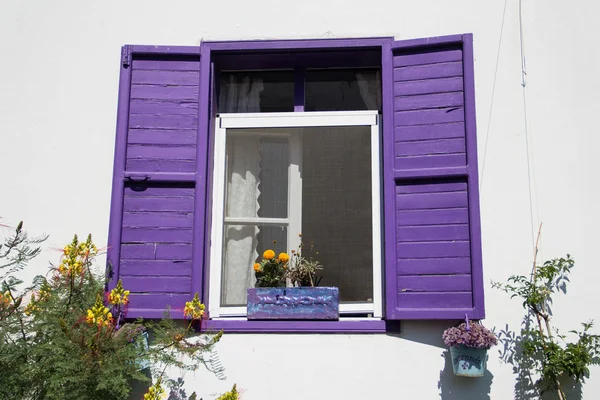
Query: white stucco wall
point(58, 98)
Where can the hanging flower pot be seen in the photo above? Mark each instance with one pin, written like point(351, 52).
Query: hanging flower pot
point(469, 343)
point(468, 361)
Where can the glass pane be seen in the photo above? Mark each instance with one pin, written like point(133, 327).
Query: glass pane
point(337, 208)
point(257, 174)
point(259, 91)
point(243, 245)
point(342, 90)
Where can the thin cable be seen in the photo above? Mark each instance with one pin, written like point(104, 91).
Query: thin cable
point(487, 133)
point(525, 120)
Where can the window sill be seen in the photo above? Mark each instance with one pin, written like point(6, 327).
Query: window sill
point(347, 326)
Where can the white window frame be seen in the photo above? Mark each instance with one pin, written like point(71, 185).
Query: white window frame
point(292, 120)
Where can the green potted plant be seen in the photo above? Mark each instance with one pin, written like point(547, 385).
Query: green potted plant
point(272, 299)
point(469, 343)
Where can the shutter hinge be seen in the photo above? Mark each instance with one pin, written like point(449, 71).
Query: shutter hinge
point(126, 56)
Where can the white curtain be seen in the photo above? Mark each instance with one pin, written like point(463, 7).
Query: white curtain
point(369, 84)
point(243, 179)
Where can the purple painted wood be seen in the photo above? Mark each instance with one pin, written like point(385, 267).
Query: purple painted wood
point(157, 284)
point(425, 132)
point(156, 267)
point(152, 220)
point(434, 283)
point(426, 147)
point(418, 72)
point(432, 233)
point(431, 161)
point(296, 303)
point(433, 266)
point(157, 165)
point(428, 86)
point(434, 200)
point(432, 247)
point(452, 99)
point(176, 137)
point(161, 77)
point(429, 116)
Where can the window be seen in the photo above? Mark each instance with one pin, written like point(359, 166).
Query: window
point(279, 175)
point(365, 146)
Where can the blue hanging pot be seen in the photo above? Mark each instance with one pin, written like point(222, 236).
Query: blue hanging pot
point(468, 361)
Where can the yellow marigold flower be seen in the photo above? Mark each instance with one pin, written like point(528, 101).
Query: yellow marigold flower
point(283, 257)
point(256, 267)
point(194, 309)
point(269, 255)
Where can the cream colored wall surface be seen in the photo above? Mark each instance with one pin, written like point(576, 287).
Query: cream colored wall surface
point(58, 99)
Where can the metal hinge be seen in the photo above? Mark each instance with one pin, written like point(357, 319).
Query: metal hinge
point(126, 56)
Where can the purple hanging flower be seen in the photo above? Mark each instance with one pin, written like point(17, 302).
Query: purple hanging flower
point(477, 336)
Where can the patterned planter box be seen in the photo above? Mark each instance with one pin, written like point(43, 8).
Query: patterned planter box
point(314, 303)
point(468, 361)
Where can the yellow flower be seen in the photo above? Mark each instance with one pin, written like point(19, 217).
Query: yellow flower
point(118, 296)
point(155, 392)
point(256, 267)
point(194, 309)
point(99, 314)
point(269, 255)
point(283, 257)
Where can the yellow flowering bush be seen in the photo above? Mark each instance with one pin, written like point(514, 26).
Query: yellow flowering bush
point(76, 256)
point(99, 314)
point(231, 395)
point(194, 309)
point(155, 392)
point(119, 296)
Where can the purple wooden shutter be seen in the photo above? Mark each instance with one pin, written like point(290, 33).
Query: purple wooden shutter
point(157, 211)
point(431, 201)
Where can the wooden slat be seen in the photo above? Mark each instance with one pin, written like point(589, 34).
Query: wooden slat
point(162, 77)
point(158, 190)
point(426, 86)
point(433, 283)
point(433, 249)
point(155, 284)
point(157, 235)
point(424, 147)
point(160, 301)
point(167, 65)
point(421, 201)
point(158, 220)
point(425, 132)
point(176, 137)
point(156, 165)
point(174, 251)
point(163, 121)
point(431, 187)
point(415, 266)
point(137, 251)
point(156, 267)
point(432, 233)
point(403, 60)
point(178, 204)
point(161, 152)
point(432, 217)
point(432, 161)
point(430, 71)
point(434, 300)
point(158, 92)
point(162, 107)
point(429, 116)
point(453, 99)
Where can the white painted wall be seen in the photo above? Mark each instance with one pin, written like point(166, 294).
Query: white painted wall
point(58, 98)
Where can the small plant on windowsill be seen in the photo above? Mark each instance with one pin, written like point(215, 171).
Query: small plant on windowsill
point(469, 343)
point(271, 299)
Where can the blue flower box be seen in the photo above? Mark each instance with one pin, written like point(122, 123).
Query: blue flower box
point(294, 303)
point(468, 361)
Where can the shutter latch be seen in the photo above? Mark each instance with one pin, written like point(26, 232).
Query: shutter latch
point(137, 178)
point(126, 56)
